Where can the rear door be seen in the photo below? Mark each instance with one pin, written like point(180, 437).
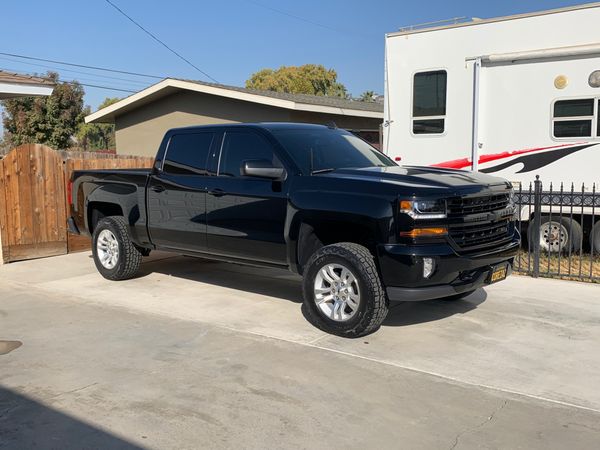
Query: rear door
point(246, 215)
point(177, 193)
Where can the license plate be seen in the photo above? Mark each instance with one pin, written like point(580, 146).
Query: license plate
point(498, 274)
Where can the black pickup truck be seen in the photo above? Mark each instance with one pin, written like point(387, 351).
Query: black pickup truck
point(317, 200)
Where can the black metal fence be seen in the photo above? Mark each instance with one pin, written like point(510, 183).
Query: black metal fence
point(561, 231)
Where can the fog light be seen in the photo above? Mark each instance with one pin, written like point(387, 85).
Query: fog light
point(428, 267)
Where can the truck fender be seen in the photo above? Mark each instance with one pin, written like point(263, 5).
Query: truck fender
point(364, 214)
point(122, 195)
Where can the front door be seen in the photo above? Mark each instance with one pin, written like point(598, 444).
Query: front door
point(177, 193)
point(246, 215)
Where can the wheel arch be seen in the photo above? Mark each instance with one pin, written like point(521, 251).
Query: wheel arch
point(112, 200)
point(316, 232)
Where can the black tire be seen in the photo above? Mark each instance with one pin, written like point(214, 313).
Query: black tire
point(572, 227)
point(595, 238)
point(453, 298)
point(373, 306)
point(129, 258)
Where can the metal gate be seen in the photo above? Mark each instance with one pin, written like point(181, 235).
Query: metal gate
point(562, 233)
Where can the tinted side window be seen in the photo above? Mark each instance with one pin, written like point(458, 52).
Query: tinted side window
point(573, 118)
point(429, 102)
point(187, 154)
point(574, 108)
point(242, 146)
point(573, 128)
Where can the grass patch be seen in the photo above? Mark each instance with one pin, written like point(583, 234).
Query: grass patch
point(580, 267)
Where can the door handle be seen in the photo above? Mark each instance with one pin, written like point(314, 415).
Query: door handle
point(217, 192)
point(158, 188)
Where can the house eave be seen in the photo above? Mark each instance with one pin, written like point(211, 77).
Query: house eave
point(12, 90)
point(167, 86)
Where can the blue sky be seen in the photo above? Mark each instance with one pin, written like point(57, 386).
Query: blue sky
point(227, 39)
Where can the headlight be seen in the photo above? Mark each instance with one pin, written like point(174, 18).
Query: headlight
point(424, 209)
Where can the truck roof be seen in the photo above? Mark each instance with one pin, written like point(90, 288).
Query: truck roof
point(264, 125)
point(422, 28)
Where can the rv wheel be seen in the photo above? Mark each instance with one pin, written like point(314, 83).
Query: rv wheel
point(557, 234)
point(595, 238)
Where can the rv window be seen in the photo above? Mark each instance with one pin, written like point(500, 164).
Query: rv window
point(430, 126)
point(573, 118)
point(573, 128)
point(574, 108)
point(429, 102)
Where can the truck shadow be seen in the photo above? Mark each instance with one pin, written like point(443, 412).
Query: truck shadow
point(281, 284)
point(270, 282)
point(26, 423)
point(411, 313)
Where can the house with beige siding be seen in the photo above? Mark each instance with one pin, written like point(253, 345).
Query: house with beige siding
point(142, 119)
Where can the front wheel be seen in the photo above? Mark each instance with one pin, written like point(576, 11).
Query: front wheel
point(115, 256)
point(343, 294)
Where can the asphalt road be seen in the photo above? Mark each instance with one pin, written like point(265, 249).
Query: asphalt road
point(197, 354)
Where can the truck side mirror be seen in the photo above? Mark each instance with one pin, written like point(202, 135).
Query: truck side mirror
point(262, 168)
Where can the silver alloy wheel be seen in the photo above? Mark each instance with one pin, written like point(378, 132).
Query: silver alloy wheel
point(108, 249)
point(336, 292)
point(554, 237)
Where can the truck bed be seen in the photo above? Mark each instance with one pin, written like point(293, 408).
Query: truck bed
point(137, 177)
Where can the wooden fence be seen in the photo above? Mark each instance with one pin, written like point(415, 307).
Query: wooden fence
point(33, 199)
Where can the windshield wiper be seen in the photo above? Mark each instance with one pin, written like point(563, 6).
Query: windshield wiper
point(314, 172)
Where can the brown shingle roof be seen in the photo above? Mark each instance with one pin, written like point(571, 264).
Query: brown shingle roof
point(15, 78)
point(302, 98)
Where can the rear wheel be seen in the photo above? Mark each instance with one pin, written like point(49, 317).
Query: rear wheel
point(595, 238)
point(115, 256)
point(557, 234)
point(343, 294)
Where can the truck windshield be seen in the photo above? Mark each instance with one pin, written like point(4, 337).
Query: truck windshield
point(329, 149)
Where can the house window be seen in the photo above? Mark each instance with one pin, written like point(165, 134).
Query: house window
point(575, 118)
point(429, 102)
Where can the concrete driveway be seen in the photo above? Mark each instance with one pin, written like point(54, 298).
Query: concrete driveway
point(199, 354)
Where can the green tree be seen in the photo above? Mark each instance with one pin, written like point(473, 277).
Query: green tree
point(51, 120)
point(367, 96)
point(307, 79)
point(97, 136)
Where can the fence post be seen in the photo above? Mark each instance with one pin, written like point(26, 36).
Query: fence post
point(537, 216)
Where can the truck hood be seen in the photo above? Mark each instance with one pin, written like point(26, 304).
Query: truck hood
point(422, 177)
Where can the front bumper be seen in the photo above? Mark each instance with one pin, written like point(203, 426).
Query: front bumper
point(402, 269)
point(400, 294)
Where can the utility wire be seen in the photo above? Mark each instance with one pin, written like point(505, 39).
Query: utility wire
point(83, 65)
point(60, 69)
point(101, 87)
point(159, 41)
point(304, 19)
point(82, 84)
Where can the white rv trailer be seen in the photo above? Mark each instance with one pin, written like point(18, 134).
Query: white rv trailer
point(515, 96)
